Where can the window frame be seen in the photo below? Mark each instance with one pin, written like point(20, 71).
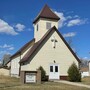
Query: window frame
point(51, 68)
point(37, 27)
point(48, 25)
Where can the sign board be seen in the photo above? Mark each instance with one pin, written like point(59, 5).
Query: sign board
point(30, 77)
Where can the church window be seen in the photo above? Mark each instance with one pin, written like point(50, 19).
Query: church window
point(48, 25)
point(37, 27)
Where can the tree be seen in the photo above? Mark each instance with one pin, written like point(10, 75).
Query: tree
point(70, 43)
point(73, 73)
point(43, 73)
point(5, 59)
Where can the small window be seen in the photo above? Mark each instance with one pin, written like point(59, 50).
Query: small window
point(56, 68)
point(51, 68)
point(37, 27)
point(48, 25)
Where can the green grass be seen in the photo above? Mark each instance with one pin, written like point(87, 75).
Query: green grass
point(8, 83)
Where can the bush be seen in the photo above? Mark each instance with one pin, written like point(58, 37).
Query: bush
point(73, 73)
point(43, 74)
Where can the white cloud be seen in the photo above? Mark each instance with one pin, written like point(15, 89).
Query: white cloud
point(29, 29)
point(20, 27)
point(70, 34)
point(69, 20)
point(11, 48)
point(62, 18)
point(85, 58)
point(6, 46)
point(1, 52)
point(76, 16)
point(69, 17)
point(76, 22)
point(4, 52)
point(6, 28)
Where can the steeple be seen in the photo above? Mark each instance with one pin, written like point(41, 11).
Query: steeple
point(47, 13)
point(45, 20)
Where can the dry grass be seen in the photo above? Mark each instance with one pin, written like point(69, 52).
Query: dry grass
point(8, 83)
point(86, 80)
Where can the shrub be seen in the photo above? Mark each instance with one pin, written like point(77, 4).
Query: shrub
point(43, 74)
point(73, 73)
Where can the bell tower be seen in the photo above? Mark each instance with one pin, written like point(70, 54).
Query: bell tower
point(45, 20)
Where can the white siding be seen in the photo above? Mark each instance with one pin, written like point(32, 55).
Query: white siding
point(84, 74)
point(15, 66)
point(47, 54)
point(89, 68)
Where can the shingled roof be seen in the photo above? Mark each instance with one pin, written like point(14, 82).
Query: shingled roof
point(37, 45)
point(47, 13)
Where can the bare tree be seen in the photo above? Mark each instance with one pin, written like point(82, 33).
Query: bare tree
point(5, 59)
point(70, 42)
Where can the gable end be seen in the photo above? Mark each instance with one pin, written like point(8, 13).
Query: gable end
point(36, 45)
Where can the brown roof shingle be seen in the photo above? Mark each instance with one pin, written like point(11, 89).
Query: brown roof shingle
point(46, 12)
point(37, 44)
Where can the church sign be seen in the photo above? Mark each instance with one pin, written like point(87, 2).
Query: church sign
point(30, 77)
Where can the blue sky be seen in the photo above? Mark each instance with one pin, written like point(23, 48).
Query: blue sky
point(16, 28)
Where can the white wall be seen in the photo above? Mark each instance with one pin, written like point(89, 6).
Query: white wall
point(84, 74)
point(89, 67)
point(42, 28)
point(47, 54)
point(15, 66)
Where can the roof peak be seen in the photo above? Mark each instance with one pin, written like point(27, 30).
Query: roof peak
point(47, 13)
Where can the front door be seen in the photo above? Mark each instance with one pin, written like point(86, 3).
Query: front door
point(54, 71)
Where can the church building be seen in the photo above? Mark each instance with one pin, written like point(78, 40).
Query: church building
point(48, 49)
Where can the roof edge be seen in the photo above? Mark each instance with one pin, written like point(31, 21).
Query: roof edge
point(45, 18)
point(56, 17)
point(68, 46)
point(43, 38)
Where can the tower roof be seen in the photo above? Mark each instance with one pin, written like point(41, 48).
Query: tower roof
point(47, 13)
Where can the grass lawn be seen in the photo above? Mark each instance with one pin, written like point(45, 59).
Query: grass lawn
point(8, 83)
point(86, 80)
